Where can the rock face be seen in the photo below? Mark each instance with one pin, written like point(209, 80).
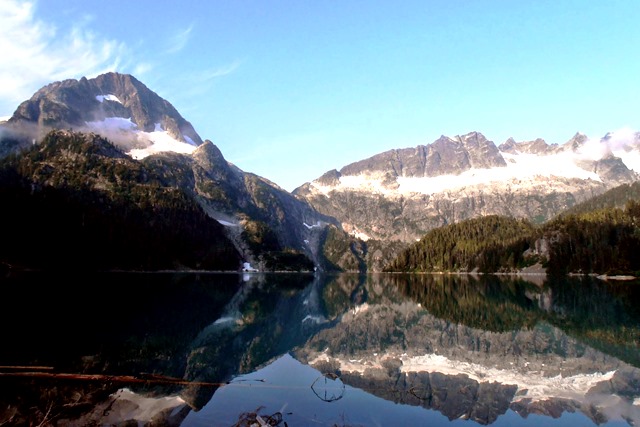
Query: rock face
point(75, 104)
point(236, 198)
point(229, 194)
point(400, 195)
point(445, 156)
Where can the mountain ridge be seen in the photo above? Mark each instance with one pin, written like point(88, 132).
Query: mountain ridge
point(453, 179)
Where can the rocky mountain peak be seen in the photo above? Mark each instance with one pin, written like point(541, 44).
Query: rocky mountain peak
point(208, 155)
point(77, 104)
point(576, 141)
point(444, 156)
point(537, 146)
point(483, 153)
point(330, 178)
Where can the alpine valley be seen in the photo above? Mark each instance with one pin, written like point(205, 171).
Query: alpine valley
point(103, 174)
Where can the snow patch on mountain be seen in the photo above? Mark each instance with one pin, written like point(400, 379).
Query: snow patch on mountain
point(533, 385)
point(360, 235)
point(109, 97)
point(227, 223)
point(247, 267)
point(160, 141)
point(355, 232)
point(520, 167)
point(521, 170)
point(121, 129)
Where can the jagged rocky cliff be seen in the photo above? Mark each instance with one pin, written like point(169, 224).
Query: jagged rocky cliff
point(401, 194)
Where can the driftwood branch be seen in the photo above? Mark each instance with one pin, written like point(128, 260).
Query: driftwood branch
point(19, 371)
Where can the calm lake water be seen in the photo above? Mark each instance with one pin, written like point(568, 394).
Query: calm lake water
point(312, 350)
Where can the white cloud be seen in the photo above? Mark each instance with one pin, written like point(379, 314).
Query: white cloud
point(179, 40)
point(623, 138)
point(216, 72)
point(35, 53)
point(623, 143)
point(201, 81)
point(197, 83)
point(594, 149)
point(142, 68)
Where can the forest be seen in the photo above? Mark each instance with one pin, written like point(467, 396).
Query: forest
point(599, 236)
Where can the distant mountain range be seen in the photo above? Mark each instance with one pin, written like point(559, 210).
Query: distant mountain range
point(401, 194)
point(357, 219)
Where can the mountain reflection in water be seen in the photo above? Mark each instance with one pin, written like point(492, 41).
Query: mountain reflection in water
point(382, 349)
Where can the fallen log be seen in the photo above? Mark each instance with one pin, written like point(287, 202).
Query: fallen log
point(144, 378)
point(38, 368)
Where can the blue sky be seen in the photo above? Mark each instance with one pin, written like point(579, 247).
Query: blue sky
point(291, 89)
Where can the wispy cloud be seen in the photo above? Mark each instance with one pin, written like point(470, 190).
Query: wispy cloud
point(179, 40)
point(142, 68)
point(198, 82)
point(34, 53)
point(214, 73)
point(615, 142)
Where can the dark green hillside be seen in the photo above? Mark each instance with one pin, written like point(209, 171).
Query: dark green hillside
point(601, 235)
point(615, 198)
point(341, 252)
point(487, 243)
point(76, 201)
point(601, 241)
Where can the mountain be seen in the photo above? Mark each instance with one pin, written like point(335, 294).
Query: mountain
point(401, 194)
point(109, 104)
point(128, 140)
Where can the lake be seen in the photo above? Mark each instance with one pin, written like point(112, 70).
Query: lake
point(218, 349)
